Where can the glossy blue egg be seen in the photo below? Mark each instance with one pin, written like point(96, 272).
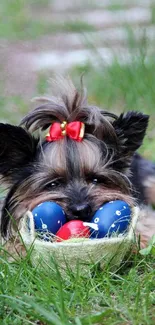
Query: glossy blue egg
point(112, 217)
point(48, 217)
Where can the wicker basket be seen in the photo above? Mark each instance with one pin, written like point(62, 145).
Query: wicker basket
point(85, 252)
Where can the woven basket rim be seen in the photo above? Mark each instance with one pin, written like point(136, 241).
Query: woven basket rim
point(28, 235)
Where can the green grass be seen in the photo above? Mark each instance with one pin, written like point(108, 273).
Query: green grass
point(17, 21)
point(116, 6)
point(78, 26)
point(23, 29)
point(12, 108)
point(121, 88)
point(153, 13)
point(30, 293)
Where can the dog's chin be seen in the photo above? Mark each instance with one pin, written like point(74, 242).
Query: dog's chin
point(84, 218)
point(96, 199)
point(63, 202)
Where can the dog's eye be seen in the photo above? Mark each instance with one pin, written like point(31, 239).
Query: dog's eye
point(53, 185)
point(94, 181)
point(91, 179)
point(101, 180)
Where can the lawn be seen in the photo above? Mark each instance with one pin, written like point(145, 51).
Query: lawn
point(34, 295)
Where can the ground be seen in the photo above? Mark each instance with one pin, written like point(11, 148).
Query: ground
point(112, 44)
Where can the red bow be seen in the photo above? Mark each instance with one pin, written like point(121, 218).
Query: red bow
point(74, 130)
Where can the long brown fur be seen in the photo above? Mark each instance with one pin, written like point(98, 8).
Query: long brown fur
point(90, 172)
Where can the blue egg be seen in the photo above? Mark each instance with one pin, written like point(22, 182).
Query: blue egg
point(48, 217)
point(111, 217)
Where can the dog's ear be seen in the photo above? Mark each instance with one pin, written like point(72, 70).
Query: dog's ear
point(130, 129)
point(17, 149)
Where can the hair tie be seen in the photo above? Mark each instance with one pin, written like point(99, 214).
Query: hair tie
point(74, 130)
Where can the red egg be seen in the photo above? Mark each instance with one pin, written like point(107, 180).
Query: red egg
point(73, 229)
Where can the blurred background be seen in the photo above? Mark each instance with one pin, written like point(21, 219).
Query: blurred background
point(111, 42)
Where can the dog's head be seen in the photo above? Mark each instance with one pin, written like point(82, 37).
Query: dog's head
point(80, 175)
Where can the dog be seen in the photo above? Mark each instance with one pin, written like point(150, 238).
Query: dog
point(88, 157)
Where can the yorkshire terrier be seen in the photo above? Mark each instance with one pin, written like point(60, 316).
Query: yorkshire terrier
point(87, 158)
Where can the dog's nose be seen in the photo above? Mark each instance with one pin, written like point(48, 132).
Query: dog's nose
point(82, 211)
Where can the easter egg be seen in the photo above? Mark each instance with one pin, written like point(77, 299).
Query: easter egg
point(110, 218)
point(48, 217)
point(73, 229)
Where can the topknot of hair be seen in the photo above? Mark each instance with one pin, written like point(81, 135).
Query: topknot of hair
point(69, 104)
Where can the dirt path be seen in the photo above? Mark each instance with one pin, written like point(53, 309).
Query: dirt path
point(22, 61)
